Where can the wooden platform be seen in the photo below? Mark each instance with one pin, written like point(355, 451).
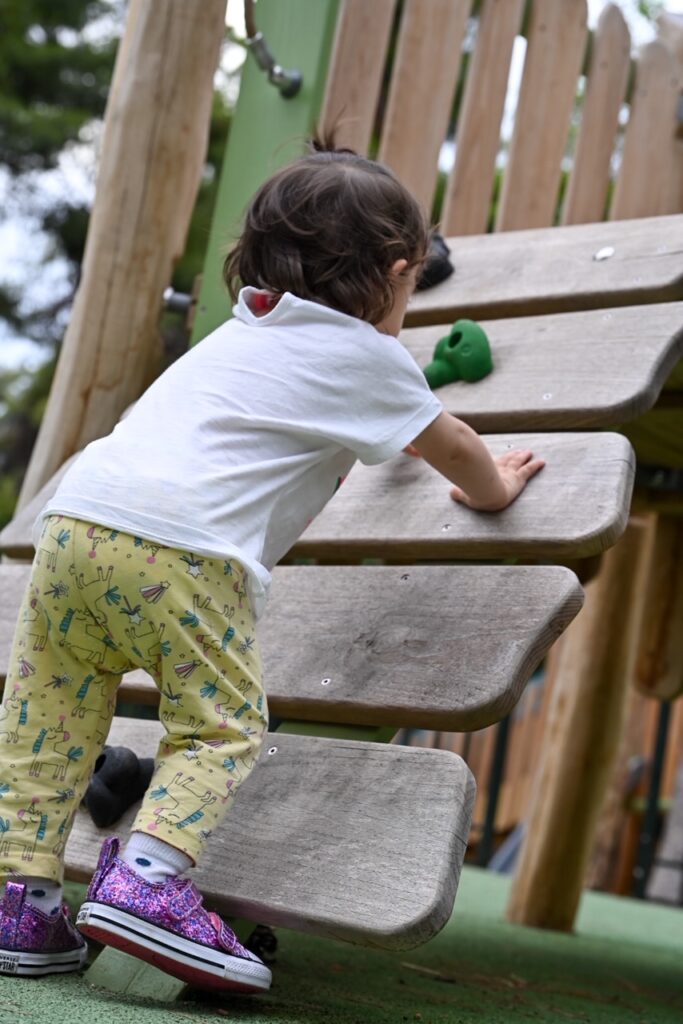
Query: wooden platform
point(538, 271)
point(327, 838)
point(575, 507)
point(390, 646)
point(570, 371)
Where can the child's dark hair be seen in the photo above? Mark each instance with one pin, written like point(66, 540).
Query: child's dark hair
point(329, 228)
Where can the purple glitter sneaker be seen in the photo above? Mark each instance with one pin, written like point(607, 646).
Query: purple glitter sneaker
point(33, 943)
point(165, 924)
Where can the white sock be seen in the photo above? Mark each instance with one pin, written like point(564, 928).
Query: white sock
point(43, 894)
point(154, 859)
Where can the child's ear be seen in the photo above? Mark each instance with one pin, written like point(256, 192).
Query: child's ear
point(398, 267)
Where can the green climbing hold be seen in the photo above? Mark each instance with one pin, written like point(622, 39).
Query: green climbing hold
point(464, 354)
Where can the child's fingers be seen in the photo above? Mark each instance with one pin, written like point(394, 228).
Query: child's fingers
point(458, 495)
point(516, 458)
point(529, 469)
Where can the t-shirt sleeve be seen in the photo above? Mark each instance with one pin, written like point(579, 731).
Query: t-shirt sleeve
point(388, 401)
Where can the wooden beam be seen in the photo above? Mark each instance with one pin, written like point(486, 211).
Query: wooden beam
point(582, 738)
point(153, 152)
point(659, 664)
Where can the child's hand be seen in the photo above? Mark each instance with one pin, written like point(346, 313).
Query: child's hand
point(515, 468)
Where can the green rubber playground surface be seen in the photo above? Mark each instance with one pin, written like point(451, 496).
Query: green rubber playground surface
point(625, 965)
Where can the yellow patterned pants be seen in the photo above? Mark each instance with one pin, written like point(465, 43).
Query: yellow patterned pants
point(100, 603)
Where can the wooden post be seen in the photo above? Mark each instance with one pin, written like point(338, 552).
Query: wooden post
point(659, 663)
point(582, 738)
point(153, 152)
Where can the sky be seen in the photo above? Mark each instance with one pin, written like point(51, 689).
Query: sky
point(21, 249)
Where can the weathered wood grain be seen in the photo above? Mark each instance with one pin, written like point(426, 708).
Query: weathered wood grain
point(556, 44)
point(356, 841)
point(576, 506)
point(659, 662)
point(610, 62)
point(467, 200)
point(424, 77)
point(555, 270)
point(647, 186)
point(401, 510)
point(600, 368)
point(581, 742)
point(447, 647)
point(356, 68)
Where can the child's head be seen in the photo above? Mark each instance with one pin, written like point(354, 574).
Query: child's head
point(330, 227)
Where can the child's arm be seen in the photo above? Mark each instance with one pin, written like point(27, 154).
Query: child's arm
point(482, 482)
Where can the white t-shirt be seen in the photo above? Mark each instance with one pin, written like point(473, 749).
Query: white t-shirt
point(243, 440)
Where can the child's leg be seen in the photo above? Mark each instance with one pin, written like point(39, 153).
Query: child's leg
point(57, 709)
point(212, 707)
point(58, 704)
point(194, 632)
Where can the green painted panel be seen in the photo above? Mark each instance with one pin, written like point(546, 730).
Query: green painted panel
point(267, 131)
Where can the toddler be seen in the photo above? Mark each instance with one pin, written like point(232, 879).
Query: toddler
point(156, 550)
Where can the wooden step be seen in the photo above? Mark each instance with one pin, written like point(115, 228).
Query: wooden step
point(16, 539)
point(557, 270)
point(348, 840)
point(401, 510)
point(570, 371)
point(443, 647)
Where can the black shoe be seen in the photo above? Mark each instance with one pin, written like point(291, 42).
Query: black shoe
point(119, 781)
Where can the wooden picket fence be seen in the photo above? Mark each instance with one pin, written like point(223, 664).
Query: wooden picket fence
point(597, 136)
point(392, 89)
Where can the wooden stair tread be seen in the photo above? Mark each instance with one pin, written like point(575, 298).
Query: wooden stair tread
point(555, 270)
point(575, 507)
point(569, 371)
point(348, 840)
point(445, 647)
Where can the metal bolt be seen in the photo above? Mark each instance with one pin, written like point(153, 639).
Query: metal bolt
point(272, 750)
point(445, 528)
point(604, 253)
point(326, 681)
point(547, 396)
